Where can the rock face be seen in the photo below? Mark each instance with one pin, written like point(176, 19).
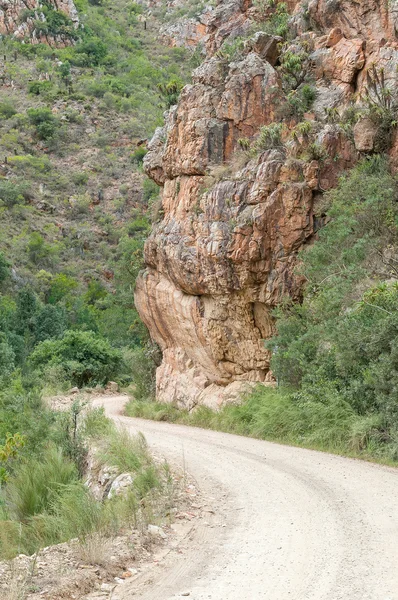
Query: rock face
point(225, 252)
point(14, 19)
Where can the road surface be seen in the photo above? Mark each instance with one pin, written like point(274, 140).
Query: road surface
point(289, 523)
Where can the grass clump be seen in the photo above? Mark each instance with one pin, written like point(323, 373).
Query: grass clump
point(45, 501)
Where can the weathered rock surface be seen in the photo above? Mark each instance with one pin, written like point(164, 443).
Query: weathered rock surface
point(225, 252)
point(13, 21)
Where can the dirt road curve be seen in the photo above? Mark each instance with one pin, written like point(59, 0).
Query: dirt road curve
point(290, 524)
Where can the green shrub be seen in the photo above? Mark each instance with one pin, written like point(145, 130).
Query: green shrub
point(7, 110)
point(171, 91)
point(38, 88)
point(46, 124)
point(7, 358)
point(61, 287)
point(4, 269)
point(80, 178)
point(270, 137)
point(49, 322)
point(150, 190)
point(138, 155)
point(12, 193)
point(128, 453)
point(41, 252)
point(86, 358)
point(90, 52)
point(275, 16)
point(56, 23)
point(345, 334)
point(301, 100)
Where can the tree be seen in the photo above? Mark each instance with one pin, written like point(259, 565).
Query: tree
point(85, 357)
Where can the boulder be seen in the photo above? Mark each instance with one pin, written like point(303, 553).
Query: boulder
point(365, 134)
point(121, 485)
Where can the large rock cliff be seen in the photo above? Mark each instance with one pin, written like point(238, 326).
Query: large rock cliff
point(240, 199)
point(21, 18)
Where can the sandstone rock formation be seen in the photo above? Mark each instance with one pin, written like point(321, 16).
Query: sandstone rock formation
point(225, 252)
point(13, 19)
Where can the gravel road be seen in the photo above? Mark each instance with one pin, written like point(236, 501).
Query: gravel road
point(288, 523)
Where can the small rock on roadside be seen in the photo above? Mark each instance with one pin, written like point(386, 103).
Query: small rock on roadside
point(112, 387)
point(156, 531)
point(108, 587)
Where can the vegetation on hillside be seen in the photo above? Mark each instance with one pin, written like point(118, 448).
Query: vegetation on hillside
point(75, 208)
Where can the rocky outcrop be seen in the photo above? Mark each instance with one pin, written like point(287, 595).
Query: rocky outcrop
point(19, 17)
point(225, 252)
point(209, 28)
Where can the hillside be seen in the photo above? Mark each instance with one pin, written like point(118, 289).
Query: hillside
point(74, 118)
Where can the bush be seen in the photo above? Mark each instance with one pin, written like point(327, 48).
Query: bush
point(7, 358)
point(142, 363)
point(138, 155)
point(7, 110)
point(40, 252)
point(4, 268)
point(45, 122)
point(270, 137)
point(91, 52)
point(12, 193)
point(86, 358)
point(344, 337)
point(171, 91)
point(37, 88)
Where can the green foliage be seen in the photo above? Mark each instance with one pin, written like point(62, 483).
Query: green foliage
point(143, 363)
point(49, 322)
point(56, 23)
point(90, 52)
point(7, 358)
point(61, 287)
point(4, 268)
point(150, 190)
point(23, 412)
point(382, 105)
point(38, 88)
point(270, 137)
point(274, 15)
point(127, 453)
point(85, 357)
point(344, 336)
point(95, 293)
point(171, 91)
point(7, 110)
point(12, 193)
point(296, 76)
point(40, 252)
point(138, 155)
point(44, 121)
point(45, 502)
point(9, 452)
point(68, 436)
point(33, 488)
point(301, 100)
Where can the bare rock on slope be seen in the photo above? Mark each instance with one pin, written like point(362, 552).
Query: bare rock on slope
point(14, 22)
